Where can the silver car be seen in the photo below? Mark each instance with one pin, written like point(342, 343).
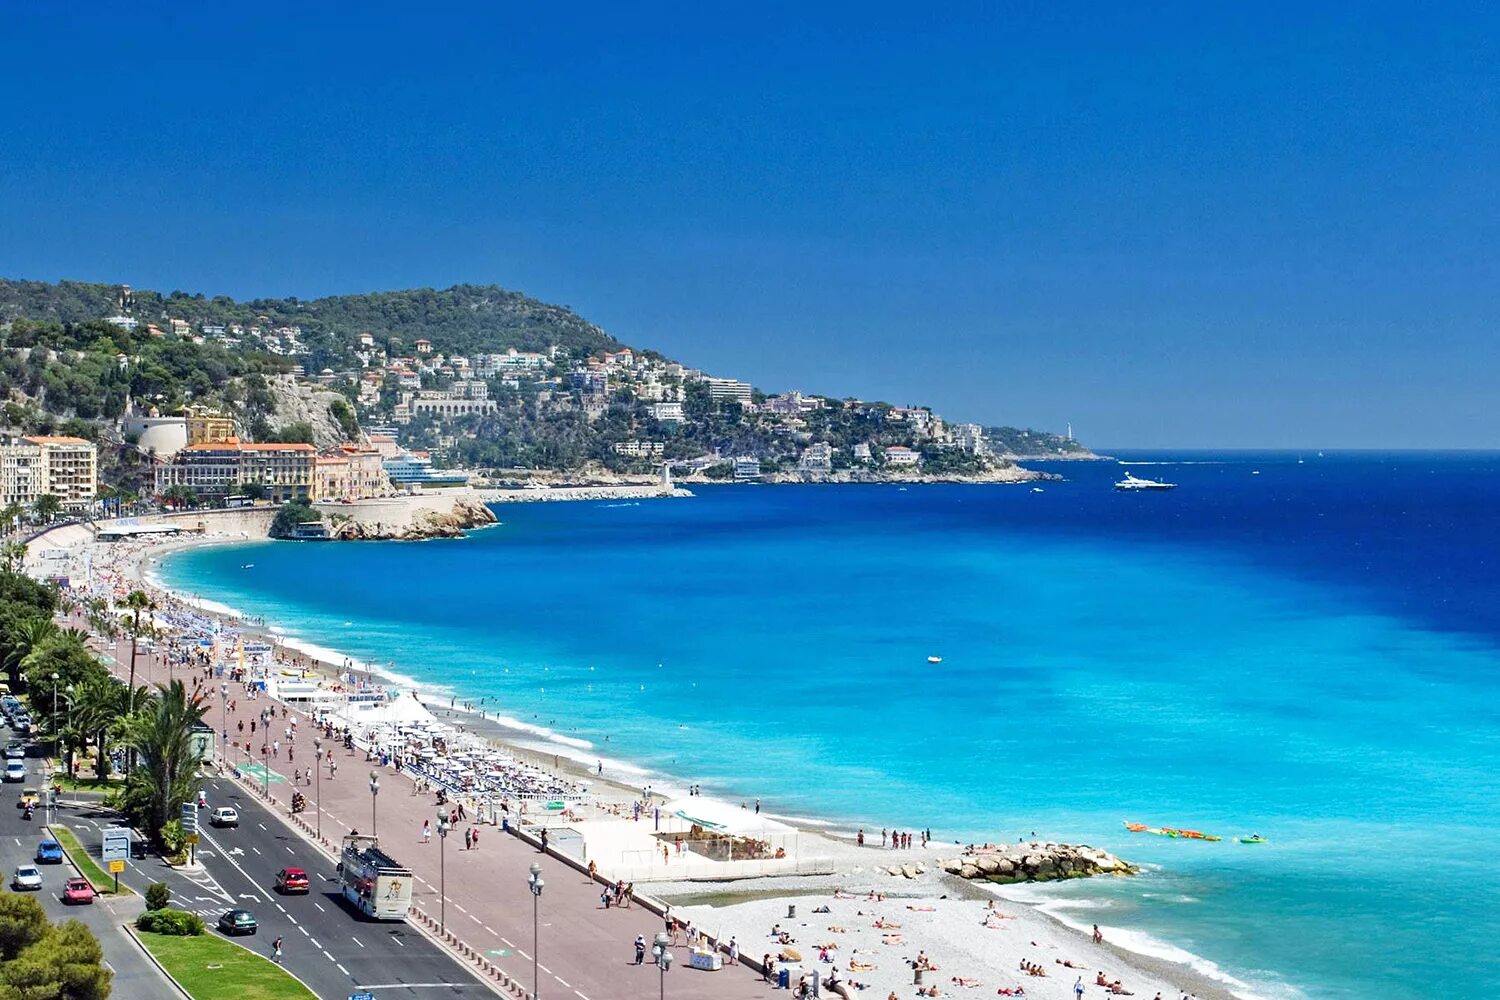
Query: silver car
point(27, 878)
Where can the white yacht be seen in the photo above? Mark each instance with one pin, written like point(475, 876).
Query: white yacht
point(1133, 482)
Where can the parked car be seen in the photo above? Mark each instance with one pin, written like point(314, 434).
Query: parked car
point(78, 890)
point(236, 922)
point(15, 771)
point(26, 878)
point(49, 852)
point(290, 880)
point(224, 816)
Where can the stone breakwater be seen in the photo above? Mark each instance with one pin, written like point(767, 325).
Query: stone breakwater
point(557, 493)
point(465, 513)
point(1035, 863)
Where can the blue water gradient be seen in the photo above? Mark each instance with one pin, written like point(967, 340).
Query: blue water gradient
point(1304, 649)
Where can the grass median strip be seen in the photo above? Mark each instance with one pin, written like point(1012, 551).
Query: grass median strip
point(211, 968)
point(102, 880)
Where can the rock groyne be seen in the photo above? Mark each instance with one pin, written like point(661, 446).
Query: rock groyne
point(1035, 862)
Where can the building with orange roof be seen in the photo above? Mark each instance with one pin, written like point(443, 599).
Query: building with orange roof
point(39, 465)
point(222, 468)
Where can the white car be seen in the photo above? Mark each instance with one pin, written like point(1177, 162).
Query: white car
point(26, 878)
point(224, 816)
point(15, 771)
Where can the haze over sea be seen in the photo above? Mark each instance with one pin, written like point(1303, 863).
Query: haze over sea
point(1307, 652)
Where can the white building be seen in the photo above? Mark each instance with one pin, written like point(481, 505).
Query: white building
point(667, 412)
point(729, 390)
point(970, 437)
point(816, 457)
point(900, 455)
point(639, 449)
point(862, 452)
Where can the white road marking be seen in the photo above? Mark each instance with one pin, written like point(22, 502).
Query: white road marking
point(460, 908)
point(261, 825)
point(507, 943)
point(314, 941)
point(562, 980)
point(548, 971)
point(320, 907)
point(290, 851)
point(396, 940)
point(475, 919)
point(327, 956)
point(281, 908)
point(356, 940)
point(580, 993)
point(343, 970)
point(488, 929)
point(523, 954)
point(304, 932)
point(255, 849)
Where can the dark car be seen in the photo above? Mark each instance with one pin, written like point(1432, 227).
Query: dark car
point(237, 922)
point(49, 852)
point(290, 880)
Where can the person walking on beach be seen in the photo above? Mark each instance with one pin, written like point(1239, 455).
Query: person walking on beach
point(1098, 935)
point(1078, 987)
point(757, 807)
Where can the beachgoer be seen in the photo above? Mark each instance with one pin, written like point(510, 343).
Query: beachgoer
point(1098, 935)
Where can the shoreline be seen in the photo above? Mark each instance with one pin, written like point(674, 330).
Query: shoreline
point(859, 869)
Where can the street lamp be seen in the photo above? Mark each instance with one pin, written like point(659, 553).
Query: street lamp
point(663, 956)
point(224, 710)
point(443, 827)
point(318, 790)
point(374, 791)
point(536, 884)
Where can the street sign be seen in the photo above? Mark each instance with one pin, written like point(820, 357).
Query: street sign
point(189, 818)
point(191, 838)
point(361, 996)
point(116, 843)
point(116, 867)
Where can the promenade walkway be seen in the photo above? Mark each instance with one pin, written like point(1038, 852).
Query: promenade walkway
point(581, 950)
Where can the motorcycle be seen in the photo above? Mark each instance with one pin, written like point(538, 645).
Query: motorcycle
point(29, 812)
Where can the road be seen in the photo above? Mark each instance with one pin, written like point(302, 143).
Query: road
point(329, 947)
point(135, 977)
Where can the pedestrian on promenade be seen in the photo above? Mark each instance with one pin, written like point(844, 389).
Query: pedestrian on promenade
point(276, 951)
point(426, 830)
point(474, 839)
point(468, 840)
point(640, 945)
point(593, 870)
point(604, 898)
point(766, 964)
point(734, 951)
point(544, 841)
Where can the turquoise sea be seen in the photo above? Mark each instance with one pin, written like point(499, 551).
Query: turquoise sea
point(1300, 646)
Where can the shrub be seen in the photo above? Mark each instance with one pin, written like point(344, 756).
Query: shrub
point(158, 894)
point(172, 838)
point(177, 923)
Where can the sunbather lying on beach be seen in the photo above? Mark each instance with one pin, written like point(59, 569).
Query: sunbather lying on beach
point(921, 909)
point(858, 966)
point(1011, 991)
point(881, 922)
point(964, 981)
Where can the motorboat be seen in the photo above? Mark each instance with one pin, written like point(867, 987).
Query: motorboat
point(1133, 482)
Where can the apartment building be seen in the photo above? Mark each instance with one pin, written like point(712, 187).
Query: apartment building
point(64, 467)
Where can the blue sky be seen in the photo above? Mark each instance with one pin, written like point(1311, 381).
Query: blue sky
point(1171, 226)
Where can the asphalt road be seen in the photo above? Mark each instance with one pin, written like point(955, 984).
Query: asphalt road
point(135, 977)
point(324, 943)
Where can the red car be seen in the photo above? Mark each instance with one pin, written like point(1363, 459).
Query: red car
point(78, 890)
point(292, 880)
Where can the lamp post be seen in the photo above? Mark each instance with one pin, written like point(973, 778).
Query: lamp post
point(318, 790)
point(536, 884)
point(442, 819)
point(663, 956)
point(374, 791)
point(224, 711)
point(56, 736)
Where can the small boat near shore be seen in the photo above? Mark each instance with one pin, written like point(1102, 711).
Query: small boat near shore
point(934, 659)
point(1167, 831)
point(1254, 838)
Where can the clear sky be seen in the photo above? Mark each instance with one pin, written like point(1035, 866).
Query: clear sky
point(1169, 224)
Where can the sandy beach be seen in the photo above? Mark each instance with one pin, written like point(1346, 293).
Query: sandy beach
point(872, 925)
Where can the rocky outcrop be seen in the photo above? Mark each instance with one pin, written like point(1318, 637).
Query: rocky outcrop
point(300, 403)
point(453, 523)
point(1035, 863)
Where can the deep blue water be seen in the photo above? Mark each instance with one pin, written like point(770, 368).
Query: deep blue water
point(1305, 650)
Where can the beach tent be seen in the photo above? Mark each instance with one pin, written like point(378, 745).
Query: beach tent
point(721, 817)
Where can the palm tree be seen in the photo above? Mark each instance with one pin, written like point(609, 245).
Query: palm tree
point(13, 556)
point(46, 507)
point(163, 736)
point(10, 516)
point(136, 601)
point(30, 635)
point(98, 712)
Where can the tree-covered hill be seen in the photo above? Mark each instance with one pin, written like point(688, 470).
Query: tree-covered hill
point(463, 319)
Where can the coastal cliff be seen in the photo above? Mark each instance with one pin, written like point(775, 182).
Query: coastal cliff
point(1036, 863)
point(465, 513)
